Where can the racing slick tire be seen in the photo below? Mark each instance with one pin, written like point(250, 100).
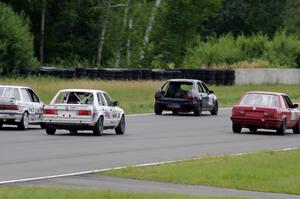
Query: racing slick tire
point(157, 109)
point(98, 128)
point(215, 109)
point(23, 125)
point(50, 130)
point(236, 128)
point(253, 129)
point(198, 109)
point(296, 129)
point(282, 128)
point(1, 124)
point(120, 130)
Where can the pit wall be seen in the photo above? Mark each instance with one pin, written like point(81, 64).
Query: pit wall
point(267, 76)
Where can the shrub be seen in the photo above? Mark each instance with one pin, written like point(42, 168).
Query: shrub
point(16, 42)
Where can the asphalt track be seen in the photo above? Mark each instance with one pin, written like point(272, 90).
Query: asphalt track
point(148, 139)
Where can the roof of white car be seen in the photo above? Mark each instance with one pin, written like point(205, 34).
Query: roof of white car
point(81, 90)
point(184, 80)
point(9, 86)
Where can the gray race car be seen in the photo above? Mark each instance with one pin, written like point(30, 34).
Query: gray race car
point(20, 106)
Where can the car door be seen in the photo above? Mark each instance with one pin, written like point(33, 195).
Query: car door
point(210, 96)
point(204, 95)
point(109, 115)
point(37, 106)
point(27, 104)
point(290, 111)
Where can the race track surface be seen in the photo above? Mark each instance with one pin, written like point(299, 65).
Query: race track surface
point(149, 138)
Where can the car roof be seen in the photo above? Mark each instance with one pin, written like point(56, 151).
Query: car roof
point(264, 92)
point(81, 90)
point(10, 86)
point(184, 80)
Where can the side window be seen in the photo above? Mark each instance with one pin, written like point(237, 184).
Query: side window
point(288, 102)
point(33, 96)
point(205, 89)
point(108, 99)
point(200, 89)
point(100, 99)
point(25, 95)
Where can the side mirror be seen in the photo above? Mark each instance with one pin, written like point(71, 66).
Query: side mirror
point(115, 103)
point(210, 92)
point(296, 105)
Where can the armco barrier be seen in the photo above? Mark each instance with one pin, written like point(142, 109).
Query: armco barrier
point(210, 76)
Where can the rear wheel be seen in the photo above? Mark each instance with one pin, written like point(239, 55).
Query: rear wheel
point(1, 124)
point(50, 130)
point(157, 109)
point(120, 130)
point(198, 109)
point(296, 129)
point(42, 125)
point(253, 129)
point(175, 112)
point(216, 109)
point(23, 125)
point(98, 128)
point(73, 132)
point(236, 128)
point(282, 128)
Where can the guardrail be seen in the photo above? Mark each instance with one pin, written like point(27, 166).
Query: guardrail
point(210, 76)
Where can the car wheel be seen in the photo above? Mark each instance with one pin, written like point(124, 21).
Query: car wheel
point(198, 109)
point(215, 110)
point(236, 128)
point(73, 132)
point(120, 130)
point(50, 130)
point(1, 124)
point(98, 128)
point(296, 129)
point(43, 125)
point(175, 112)
point(157, 109)
point(282, 128)
point(253, 129)
point(23, 125)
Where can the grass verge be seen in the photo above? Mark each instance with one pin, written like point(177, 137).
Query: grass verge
point(138, 96)
point(47, 193)
point(265, 171)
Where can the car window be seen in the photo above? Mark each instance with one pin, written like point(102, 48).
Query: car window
point(205, 89)
point(101, 100)
point(10, 93)
point(108, 99)
point(164, 88)
point(200, 89)
point(179, 89)
point(288, 102)
point(33, 96)
point(255, 99)
point(25, 95)
point(75, 98)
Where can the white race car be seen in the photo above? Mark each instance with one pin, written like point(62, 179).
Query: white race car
point(81, 109)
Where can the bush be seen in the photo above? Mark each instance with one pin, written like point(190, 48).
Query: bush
point(16, 42)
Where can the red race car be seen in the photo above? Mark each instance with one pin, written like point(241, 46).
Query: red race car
point(266, 110)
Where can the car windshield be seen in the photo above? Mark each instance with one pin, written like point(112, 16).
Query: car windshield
point(74, 98)
point(254, 99)
point(7, 92)
point(178, 89)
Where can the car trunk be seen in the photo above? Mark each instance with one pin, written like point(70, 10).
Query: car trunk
point(254, 112)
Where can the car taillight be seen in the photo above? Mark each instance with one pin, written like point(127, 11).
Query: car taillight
point(84, 112)
point(50, 111)
point(157, 94)
point(9, 107)
point(277, 115)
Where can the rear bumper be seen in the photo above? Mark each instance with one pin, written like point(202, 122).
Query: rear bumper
point(257, 122)
point(187, 105)
point(11, 116)
point(69, 124)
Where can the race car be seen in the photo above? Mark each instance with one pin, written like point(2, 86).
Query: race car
point(20, 106)
point(266, 110)
point(82, 109)
point(185, 95)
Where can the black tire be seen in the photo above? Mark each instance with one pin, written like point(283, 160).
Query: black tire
point(282, 128)
point(1, 124)
point(296, 129)
point(215, 110)
point(175, 112)
point(43, 125)
point(253, 129)
point(23, 125)
point(120, 130)
point(50, 130)
point(73, 132)
point(98, 128)
point(236, 128)
point(198, 109)
point(157, 109)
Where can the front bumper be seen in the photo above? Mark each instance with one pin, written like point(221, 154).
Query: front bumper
point(257, 122)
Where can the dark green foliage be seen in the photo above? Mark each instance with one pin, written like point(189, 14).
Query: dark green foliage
point(16, 42)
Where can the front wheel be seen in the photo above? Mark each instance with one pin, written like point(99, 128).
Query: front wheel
point(296, 129)
point(282, 128)
point(236, 128)
point(215, 110)
point(157, 109)
point(98, 128)
point(198, 109)
point(23, 125)
point(120, 130)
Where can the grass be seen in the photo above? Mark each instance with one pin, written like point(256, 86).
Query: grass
point(14, 192)
point(138, 96)
point(265, 171)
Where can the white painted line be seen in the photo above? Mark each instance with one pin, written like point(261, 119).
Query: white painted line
point(124, 167)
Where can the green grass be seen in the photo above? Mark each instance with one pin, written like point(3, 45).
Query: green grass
point(265, 171)
point(138, 96)
point(14, 192)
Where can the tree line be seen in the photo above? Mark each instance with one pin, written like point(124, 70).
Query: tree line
point(131, 33)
